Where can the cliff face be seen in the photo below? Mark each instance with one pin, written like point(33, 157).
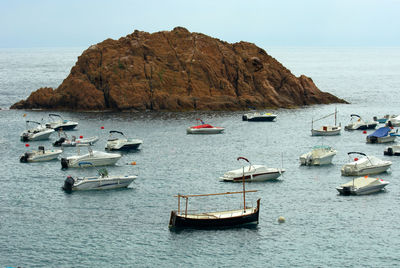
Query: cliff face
point(176, 70)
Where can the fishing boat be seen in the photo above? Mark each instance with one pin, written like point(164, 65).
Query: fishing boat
point(73, 141)
point(319, 155)
point(360, 124)
point(362, 185)
point(103, 181)
point(259, 117)
point(40, 155)
point(57, 123)
point(326, 130)
point(124, 143)
point(40, 132)
point(183, 218)
point(366, 165)
point(252, 173)
point(92, 158)
point(382, 135)
point(204, 129)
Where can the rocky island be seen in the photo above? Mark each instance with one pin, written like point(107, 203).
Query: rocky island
point(176, 70)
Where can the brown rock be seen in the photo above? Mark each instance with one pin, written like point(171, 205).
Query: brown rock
point(176, 70)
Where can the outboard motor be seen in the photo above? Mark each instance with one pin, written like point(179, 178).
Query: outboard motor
point(244, 117)
point(347, 190)
point(68, 184)
point(64, 163)
point(373, 139)
point(24, 158)
point(390, 151)
point(25, 137)
point(59, 142)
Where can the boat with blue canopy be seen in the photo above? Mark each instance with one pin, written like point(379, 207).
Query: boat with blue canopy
point(382, 135)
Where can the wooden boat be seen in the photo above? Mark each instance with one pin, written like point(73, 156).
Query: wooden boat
point(216, 219)
point(326, 130)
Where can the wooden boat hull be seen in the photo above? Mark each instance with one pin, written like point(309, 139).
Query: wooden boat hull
point(317, 132)
point(188, 221)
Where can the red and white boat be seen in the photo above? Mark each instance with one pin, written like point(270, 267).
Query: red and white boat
point(204, 129)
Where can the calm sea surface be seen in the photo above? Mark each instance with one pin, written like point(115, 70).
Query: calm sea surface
point(41, 226)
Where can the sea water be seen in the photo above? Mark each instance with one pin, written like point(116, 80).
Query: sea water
point(42, 226)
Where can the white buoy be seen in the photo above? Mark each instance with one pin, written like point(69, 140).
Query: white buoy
point(281, 219)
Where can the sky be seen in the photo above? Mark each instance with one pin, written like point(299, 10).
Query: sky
point(268, 23)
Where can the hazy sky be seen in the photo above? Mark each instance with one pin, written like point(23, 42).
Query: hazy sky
point(80, 23)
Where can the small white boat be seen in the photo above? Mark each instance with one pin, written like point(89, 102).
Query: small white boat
point(101, 182)
point(40, 155)
point(40, 132)
point(319, 155)
point(122, 143)
point(382, 120)
point(58, 123)
point(326, 130)
point(360, 124)
point(382, 135)
point(259, 117)
point(362, 185)
point(392, 150)
point(66, 142)
point(252, 173)
point(366, 165)
point(394, 121)
point(204, 129)
point(93, 158)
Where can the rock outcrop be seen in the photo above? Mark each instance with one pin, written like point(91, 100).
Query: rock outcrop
point(176, 70)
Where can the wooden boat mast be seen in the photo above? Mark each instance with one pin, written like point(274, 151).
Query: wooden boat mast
point(244, 190)
point(312, 120)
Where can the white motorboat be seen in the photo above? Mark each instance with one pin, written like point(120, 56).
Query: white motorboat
point(360, 124)
point(326, 130)
point(366, 165)
point(382, 135)
point(382, 120)
point(122, 143)
point(92, 158)
point(319, 155)
point(362, 185)
point(40, 132)
point(394, 121)
point(66, 142)
point(252, 173)
point(259, 117)
point(58, 123)
point(392, 150)
point(40, 155)
point(101, 182)
point(204, 129)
